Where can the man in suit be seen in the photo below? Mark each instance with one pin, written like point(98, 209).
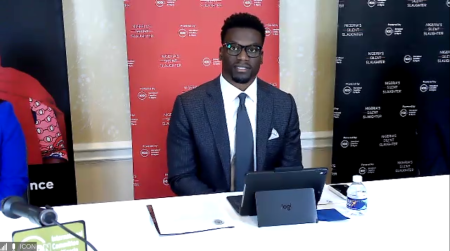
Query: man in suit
point(434, 138)
point(234, 124)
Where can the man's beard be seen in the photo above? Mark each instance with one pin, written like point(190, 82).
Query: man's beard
point(241, 79)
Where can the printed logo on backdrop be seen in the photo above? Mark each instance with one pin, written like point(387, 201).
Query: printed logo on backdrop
point(345, 144)
point(170, 61)
point(393, 29)
point(352, 88)
point(147, 93)
point(150, 150)
point(142, 95)
point(337, 113)
point(403, 113)
point(341, 3)
point(392, 87)
point(210, 3)
point(412, 59)
point(404, 166)
point(135, 181)
point(368, 168)
point(130, 63)
point(388, 140)
point(375, 58)
point(141, 31)
point(255, 3)
point(126, 3)
point(376, 3)
point(417, 3)
point(333, 170)
point(389, 31)
point(448, 3)
point(433, 29)
point(408, 111)
point(166, 118)
point(429, 86)
point(166, 180)
point(352, 30)
point(188, 30)
point(168, 3)
point(272, 29)
point(208, 62)
point(145, 153)
point(134, 119)
point(349, 142)
point(372, 112)
point(444, 56)
point(362, 170)
point(188, 88)
point(339, 60)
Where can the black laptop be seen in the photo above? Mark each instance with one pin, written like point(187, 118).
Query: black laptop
point(280, 179)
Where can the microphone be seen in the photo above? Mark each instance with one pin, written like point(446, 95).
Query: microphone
point(15, 207)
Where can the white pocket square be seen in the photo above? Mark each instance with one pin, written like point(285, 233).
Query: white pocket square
point(274, 134)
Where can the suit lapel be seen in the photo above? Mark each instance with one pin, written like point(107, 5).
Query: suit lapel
point(264, 111)
point(216, 115)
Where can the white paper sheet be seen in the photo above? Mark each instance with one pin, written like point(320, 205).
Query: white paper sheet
point(175, 218)
point(329, 197)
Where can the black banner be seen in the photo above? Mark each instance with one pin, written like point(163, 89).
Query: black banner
point(393, 57)
point(34, 72)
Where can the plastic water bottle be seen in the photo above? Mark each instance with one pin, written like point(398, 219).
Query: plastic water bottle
point(357, 197)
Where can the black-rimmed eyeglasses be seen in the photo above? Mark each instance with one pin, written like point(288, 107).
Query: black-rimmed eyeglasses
point(235, 49)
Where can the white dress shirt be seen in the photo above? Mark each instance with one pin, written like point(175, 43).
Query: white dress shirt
point(231, 103)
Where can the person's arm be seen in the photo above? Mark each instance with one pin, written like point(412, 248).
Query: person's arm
point(292, 150)
point(13, 157)
point(53, 151)
point(181, 159)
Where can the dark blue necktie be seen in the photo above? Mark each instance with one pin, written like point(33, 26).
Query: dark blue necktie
point(244, 145)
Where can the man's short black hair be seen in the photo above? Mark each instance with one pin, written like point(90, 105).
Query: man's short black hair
point(243, 20)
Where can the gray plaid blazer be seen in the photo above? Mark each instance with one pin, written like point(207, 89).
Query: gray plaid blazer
point(198, 148)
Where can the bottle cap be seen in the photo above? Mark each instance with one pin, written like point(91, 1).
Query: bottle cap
point(357, 178)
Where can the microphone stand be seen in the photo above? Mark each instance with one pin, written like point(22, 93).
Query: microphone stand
point(55, 222)
point(42, 217)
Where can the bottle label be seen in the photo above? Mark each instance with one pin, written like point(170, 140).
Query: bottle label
point(357, 204)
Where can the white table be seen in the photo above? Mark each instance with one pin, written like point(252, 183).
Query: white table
point(403, 214)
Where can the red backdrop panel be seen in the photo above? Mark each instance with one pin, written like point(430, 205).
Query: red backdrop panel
point(173, 46)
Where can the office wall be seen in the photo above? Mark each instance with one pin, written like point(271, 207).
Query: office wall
point(98, 80)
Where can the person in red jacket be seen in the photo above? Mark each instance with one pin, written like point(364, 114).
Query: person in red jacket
point(41, 120)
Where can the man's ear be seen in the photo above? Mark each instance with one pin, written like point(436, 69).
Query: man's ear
point(220, 53)
point(262, 58)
